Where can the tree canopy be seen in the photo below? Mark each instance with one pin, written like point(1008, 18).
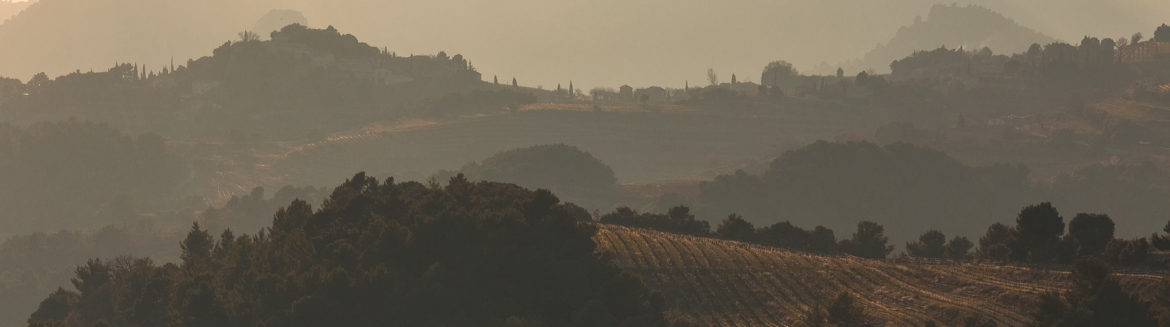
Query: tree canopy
point(376, 253)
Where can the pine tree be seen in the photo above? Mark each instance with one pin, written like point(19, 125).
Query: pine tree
point(197, 246)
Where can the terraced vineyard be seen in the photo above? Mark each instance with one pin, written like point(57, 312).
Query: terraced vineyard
point(727, 283)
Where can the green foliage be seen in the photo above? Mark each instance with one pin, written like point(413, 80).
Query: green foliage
point(103, 173)
point(1126, 252)
point(868, 242)
point(735, 228)
point(777, 71)
point(843, 311)
point(253, 211)
point(786, 235)
point(54, 309)
point(959, 248)
point(1161, 242)
point(1038, 228)
point(302, 77)
point(997, 242)
point(835, 183)
point(931, 244)
point(1092, 232)
point(196, 247)
point(678, 220)
point(384, 254)
point(1162, 34)
point(33, 265)
point(1096, 299)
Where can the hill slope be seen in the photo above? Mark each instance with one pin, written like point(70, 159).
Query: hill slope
point(953, 26)
point(49, 35)
point(726, 283)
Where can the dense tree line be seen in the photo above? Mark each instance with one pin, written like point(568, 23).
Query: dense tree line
point(1096, 298)
point(107, 176)
point(32, 265)
point(678, 220)
point(375, 253)
point(301, 76)
point(252, 212)
point(1039, 237)
point(869, 241)
point(837, 184)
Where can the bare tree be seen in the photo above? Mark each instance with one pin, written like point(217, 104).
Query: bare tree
point(248, 36)
point(712, 76)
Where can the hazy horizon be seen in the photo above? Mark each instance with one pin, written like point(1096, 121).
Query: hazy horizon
point(352, 163)
point(611, 43)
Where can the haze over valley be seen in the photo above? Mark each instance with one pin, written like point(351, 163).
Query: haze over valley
point(606, 163)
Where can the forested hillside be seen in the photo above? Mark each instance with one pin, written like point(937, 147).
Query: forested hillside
point(107, 176)
point(275, 88)
point(953, 26)
point(838, 184)
point(375, 253)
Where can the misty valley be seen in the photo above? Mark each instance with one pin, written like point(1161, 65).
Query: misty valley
point(973, 169)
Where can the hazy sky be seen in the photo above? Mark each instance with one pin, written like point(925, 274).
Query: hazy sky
point(601, 42)
point(611, 42)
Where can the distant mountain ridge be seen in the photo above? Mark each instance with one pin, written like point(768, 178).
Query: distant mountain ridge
point(953, 26)
point(61, 36)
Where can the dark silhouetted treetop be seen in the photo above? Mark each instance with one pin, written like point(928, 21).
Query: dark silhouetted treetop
point(997, 242)
point(777, 71)
point(868, 242)
point(958, 248)
point(1096, 299)
point(1039, 228)
point(835, 183)
point(843, 311)
point(1092, 232)
point(379, 254)
point(1162, 34)
point(931, 244)
point(301, 75)
point(735, 228)
point(678, 220)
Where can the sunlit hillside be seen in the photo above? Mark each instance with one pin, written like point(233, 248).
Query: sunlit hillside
point(727, 283)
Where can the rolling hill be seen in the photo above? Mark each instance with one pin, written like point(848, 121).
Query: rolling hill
point(48, 36)
point(727, 283)
point(953, 26)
